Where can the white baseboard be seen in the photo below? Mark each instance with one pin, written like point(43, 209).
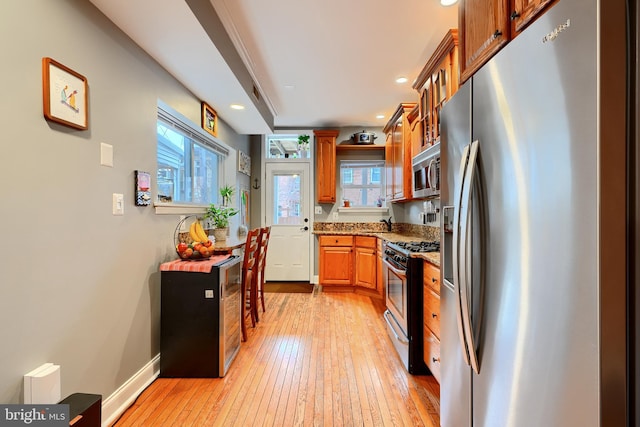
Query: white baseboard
point(115, 405)
point(316, 280)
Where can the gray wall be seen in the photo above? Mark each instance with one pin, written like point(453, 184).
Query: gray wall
point(78, 286)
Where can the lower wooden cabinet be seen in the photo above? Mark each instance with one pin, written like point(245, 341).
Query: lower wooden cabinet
point(336, 260)
point(431, 318)
point(351, 263)
point(366, 260)
point(432, 352)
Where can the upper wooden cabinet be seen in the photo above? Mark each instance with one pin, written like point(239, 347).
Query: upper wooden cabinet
point(488, 25)
point(436, 83)
point(398, 154)
point(485, 28)
point(326, 165)
point(525, 11)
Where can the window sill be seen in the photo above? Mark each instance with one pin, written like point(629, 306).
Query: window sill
point(178, 209)
point(361, 210)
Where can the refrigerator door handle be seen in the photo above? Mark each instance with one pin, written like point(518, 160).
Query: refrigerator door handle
point(456, 254)
point(465, 227)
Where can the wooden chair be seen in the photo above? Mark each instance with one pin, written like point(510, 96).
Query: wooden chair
point(265, 233)
point(249, 278)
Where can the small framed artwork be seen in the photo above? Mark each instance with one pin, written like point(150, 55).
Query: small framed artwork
point(244, 206)
point(244, 163)
point(209, 119)
point(143, 188)
point(64, 95)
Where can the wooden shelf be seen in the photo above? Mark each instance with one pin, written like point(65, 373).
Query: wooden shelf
point(362, 147)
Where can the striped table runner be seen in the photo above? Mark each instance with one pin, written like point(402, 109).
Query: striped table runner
point(193, 266)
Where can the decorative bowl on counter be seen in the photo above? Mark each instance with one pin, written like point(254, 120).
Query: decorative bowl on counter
point(194, 244)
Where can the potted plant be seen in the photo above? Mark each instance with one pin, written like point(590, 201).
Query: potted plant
point(219, 215)
point(303, 145)
point(226, 192)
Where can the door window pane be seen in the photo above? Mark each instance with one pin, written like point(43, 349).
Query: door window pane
point(287, 199)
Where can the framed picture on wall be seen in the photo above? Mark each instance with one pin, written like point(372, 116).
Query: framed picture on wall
point(64, 95)
point(143, 188)
point(244, 206)
point(209, 119)
point(244, 163)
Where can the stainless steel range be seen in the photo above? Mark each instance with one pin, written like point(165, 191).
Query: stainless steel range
point(403, 283)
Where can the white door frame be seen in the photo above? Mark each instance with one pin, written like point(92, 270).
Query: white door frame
point(310, 184)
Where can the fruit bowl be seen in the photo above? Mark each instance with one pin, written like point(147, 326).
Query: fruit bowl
point(192, 243)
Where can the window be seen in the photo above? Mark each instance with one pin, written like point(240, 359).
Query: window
point(281, 146)
point(190, 163)
point(361, 182)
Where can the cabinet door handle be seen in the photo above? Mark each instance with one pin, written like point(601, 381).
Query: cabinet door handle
point(434, 315)
point(514, 15)
point(497, 34)
point(435, 360)
point(433, 279)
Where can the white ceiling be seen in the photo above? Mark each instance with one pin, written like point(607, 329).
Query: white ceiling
point(316, 63)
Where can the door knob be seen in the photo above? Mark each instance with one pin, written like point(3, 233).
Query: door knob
point(305, 228)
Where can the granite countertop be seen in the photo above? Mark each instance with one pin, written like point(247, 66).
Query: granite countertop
point(432, 257)
point(393, 236)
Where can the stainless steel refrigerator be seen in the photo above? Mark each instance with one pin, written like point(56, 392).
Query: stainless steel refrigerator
point(534, 314)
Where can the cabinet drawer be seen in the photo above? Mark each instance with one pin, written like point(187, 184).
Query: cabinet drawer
point(336, 240)
point(366, 242)
point(432, 353)
point(431, 277)
point(431, 305)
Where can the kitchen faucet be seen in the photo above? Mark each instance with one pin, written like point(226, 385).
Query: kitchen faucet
point(388, 222)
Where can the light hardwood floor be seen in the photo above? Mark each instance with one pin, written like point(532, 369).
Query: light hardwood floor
point(313, 359)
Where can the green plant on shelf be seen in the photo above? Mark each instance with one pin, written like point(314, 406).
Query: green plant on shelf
point(303, 142)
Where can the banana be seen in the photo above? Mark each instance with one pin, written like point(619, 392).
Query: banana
point(193, 233)
point(200, 232)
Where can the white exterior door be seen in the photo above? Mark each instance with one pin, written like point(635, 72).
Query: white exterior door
point(288, 205)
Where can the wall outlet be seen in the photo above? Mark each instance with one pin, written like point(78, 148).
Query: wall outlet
point(318, 210)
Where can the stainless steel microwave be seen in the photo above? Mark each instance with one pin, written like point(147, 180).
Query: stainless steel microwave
point(426, 173)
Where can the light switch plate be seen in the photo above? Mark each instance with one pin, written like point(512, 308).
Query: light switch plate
point(106, 154)
point(208, 293)
point(118, 204)
point(318, 210)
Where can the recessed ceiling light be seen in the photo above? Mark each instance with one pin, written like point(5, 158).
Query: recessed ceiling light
point(448, 2)
point(290, 87)
point(402, 80)
point(380, 116)
point(237, 106)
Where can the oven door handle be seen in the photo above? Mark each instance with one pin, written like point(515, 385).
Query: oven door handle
point(400, 337)
point(398, 272)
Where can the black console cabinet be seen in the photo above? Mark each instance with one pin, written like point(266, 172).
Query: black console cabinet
point(200, 321)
